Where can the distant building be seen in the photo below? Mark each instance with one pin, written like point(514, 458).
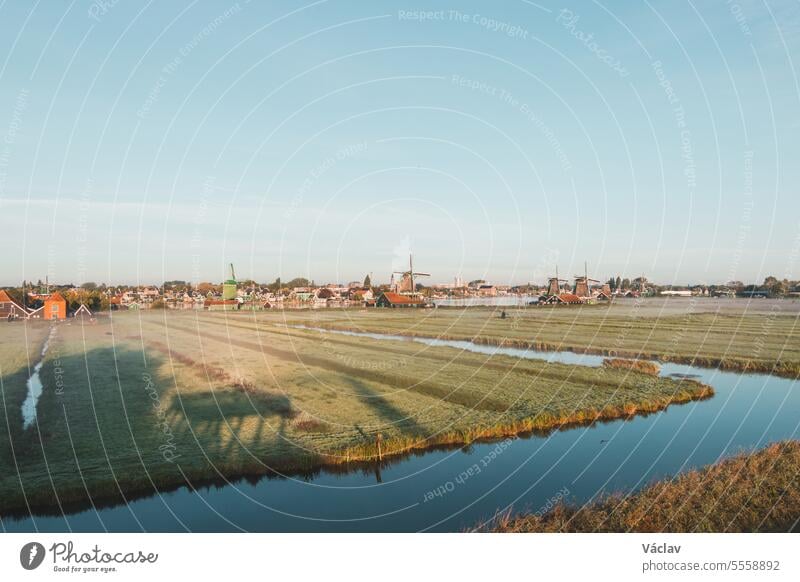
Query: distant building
point(756, 293)
point(150, 293)
point(55, 307)
point(222, 304)
point(389, 299)
point(561, 299)
point(405, 284)
point(677, 293)
point(603, 294)
point(9, 308)
point(82, 312)
point(362, 295)
point(229, 289)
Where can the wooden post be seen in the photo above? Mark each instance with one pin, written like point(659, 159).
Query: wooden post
point(378, 440)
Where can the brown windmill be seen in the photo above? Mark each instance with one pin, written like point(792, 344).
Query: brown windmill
point(554, 285)
point(407, 282)
point(582, 283)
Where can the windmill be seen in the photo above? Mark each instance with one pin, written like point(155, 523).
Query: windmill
point(582, 283)
point(641, 283)
point(229, 287)
point(407, 282)
point(554, 284)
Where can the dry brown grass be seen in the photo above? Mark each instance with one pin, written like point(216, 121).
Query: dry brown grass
point(642, 366)
point(753, 492)
point(308, 423)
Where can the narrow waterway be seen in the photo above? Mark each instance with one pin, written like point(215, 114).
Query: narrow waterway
point(502, 301)
point(548, 356)
point(34, 385)
point(452, 490)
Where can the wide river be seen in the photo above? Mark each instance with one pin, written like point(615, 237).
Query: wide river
point(454, 490)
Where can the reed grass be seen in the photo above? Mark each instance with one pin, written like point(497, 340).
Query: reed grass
point(641, 366)
point(750, 492)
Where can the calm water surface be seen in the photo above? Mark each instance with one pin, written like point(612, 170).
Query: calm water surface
point(503, 301)
point(35, 387)
point(748, 411)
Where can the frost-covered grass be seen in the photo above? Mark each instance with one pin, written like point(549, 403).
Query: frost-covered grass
point(148, 400)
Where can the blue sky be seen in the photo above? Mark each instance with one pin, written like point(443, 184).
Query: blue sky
point(143, 142)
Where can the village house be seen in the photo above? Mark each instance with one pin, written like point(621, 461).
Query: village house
point(362, 295)
point(676, 293)
point(149, 294)
point(561, 299)
point(55, 307)
point(601, 292)
point(389, 299)
point(302, 293)
point(82, 312)
point(9, 308)
point(601, 295)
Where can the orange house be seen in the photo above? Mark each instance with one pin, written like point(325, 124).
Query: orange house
point(55, 307)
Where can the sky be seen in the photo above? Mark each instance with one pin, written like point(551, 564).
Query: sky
point(151, 141)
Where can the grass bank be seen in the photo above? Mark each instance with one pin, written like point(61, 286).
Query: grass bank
point(751, 492)
point(642, 366)
point(147, 402)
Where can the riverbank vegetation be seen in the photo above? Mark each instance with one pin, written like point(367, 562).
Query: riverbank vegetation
point(643, 366)
point(751, 492)
point(149, 401)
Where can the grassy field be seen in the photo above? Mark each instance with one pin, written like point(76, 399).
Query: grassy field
point(755, 492)
point(756, 335)
point(157, 399)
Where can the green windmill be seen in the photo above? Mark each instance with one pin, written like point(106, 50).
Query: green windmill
point(229, 287)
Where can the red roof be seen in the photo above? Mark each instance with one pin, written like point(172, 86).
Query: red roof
point(56, 296)
point(570, 298)
point(399, 299)
point(5, 298)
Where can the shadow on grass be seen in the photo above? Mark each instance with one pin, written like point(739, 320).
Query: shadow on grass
point(393, 416)
point(111, 426)
point(119, 430)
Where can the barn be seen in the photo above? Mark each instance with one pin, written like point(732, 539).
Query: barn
point(560, 299)
point(389, 299)
point(82, 312)
point(602, 296)
point(10, 309)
